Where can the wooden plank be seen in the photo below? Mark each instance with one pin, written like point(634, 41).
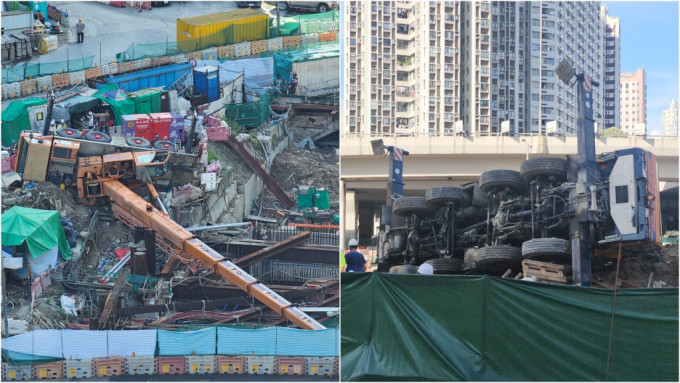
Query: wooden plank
point(543, 271)
point(111, 300)
point(270, 251)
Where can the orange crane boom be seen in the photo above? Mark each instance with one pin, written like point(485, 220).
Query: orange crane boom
point(144, 212)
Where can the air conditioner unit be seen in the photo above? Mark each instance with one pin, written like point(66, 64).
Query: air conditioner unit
point(505, 127)
point(552, 127)
point(458, 127)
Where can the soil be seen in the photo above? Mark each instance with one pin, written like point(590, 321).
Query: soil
point(635, 271)
point(228, 157)
point(318, 168)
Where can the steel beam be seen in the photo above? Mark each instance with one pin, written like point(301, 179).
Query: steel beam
point(111, 300)
point(275, 249)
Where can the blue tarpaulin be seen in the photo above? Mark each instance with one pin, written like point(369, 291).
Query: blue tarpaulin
point(200, 342)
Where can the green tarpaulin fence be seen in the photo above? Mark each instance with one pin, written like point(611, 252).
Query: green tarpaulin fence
point(251, 114)
point(40, 229)
point(303, 24)
point(15, 119)
point(425, 327)
point(26, 71)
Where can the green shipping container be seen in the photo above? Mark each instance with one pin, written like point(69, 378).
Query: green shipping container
point(222, 28)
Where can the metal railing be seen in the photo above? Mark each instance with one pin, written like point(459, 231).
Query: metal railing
point(320, 236)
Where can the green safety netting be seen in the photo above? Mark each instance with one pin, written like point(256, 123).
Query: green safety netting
point(302, 24)
point(15, 118)
point(479, 328)
point(251, 114)
point(142, 51)
point(283, 62)
point(40, 229)
point(26, 71)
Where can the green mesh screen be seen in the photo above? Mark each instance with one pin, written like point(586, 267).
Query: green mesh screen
point(25, 71)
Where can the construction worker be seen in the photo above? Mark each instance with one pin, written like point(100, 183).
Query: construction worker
point(354, 260)
point(90, 121)
point(53, 126)
point(62, 124)
point(12, 147)
point(80, 28)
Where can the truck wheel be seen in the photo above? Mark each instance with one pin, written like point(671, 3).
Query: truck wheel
point(164, 145)
point(98, 136)
point(497, 259)
point(491, 180)
point(283, 6)
point(138, 142)
point(547, 249)
point(446, 265)
point(439, 196)
point(544, 166)
point(68, 132)
point(406, 206)
point(404, 269)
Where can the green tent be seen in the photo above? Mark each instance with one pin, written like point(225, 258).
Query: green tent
point(40, 229)
point(120, 104)
point(15, 118)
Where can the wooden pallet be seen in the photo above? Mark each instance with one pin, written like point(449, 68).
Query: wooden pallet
point(546, 272)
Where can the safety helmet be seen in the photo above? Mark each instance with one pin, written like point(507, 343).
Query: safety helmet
point(89, 113)
point(13, 141)
point(62, 120)
point(353, 242)
point(80, 19)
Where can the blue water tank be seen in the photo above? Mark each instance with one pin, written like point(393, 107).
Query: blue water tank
point(207, 81)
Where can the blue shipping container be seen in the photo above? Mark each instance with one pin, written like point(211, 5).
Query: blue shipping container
point(149, 78)
point(207, 81)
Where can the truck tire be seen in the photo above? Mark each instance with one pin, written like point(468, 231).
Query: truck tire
point(322, 7)
point(404, 269)
point(282, 5)
point(97, 136)
point(491, 180)
point(406, 206)
point(138, 142)
point(439, 196)
point(544, 166)
point(446, 265)
point(547, 249)
point(68, 132)
point(497, 259)
point(479, 198)
point(164, 145)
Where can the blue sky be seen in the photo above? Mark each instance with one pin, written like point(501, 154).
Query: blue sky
point(649, 37)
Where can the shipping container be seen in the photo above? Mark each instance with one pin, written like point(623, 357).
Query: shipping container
point(149, 78)
point(223, 28)
point(207, 81)
point(13, 22)
point(160, 124)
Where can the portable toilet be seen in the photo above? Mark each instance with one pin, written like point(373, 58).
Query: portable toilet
point(207, 82)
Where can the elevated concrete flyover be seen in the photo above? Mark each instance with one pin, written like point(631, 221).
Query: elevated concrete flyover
point(454, 160)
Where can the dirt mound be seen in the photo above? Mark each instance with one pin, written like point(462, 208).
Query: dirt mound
point(644, 270)
point(318, 168)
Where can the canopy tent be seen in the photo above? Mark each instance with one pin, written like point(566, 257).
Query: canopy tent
point(15, 118)
point(40, 229)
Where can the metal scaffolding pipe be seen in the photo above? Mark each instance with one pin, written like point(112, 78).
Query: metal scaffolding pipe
point(215, 227)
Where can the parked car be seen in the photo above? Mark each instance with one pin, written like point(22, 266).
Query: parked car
point(318, 6)
point(254, 4)
point(159, 3)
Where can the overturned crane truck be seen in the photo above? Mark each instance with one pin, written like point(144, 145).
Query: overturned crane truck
point(111, 178)
point(554, 209)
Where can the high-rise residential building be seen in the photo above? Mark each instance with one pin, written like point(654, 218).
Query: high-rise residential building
point(633, 99)
point(669, 120)
point(484, 67)
point(612, 68)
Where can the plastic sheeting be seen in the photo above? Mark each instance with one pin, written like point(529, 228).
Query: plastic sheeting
point(41, 343)
point(294, 342)
point(422, 327)
point(200, 342)
point(124, 343)
point(233, 341)
point(40, 229)
point(79, 344)
point(44, 261)
point(258, 72)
